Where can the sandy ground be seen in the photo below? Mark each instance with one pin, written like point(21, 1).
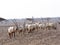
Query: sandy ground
point(40, 37)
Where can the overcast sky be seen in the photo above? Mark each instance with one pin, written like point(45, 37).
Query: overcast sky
point(11, 9)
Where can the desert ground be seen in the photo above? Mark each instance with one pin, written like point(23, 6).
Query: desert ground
point(36, 37)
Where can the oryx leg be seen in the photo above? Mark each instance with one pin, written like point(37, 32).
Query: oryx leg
point(10, 35)
point(13, 33)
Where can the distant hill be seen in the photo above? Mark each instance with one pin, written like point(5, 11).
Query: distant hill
point(1, 19)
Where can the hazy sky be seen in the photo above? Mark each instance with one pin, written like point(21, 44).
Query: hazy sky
point(28, 8)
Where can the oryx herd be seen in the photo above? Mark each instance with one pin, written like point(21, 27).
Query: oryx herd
point(30, 27)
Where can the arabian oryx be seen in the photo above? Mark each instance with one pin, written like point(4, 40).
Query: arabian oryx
point(29, 27)
point(11, 31)
point(51, 25)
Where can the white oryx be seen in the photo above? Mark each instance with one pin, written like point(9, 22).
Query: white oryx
point(37, 25)
point(42, 26)
point(51, 25)
point(11, 31)
point(28, 27)
point(34, 26)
